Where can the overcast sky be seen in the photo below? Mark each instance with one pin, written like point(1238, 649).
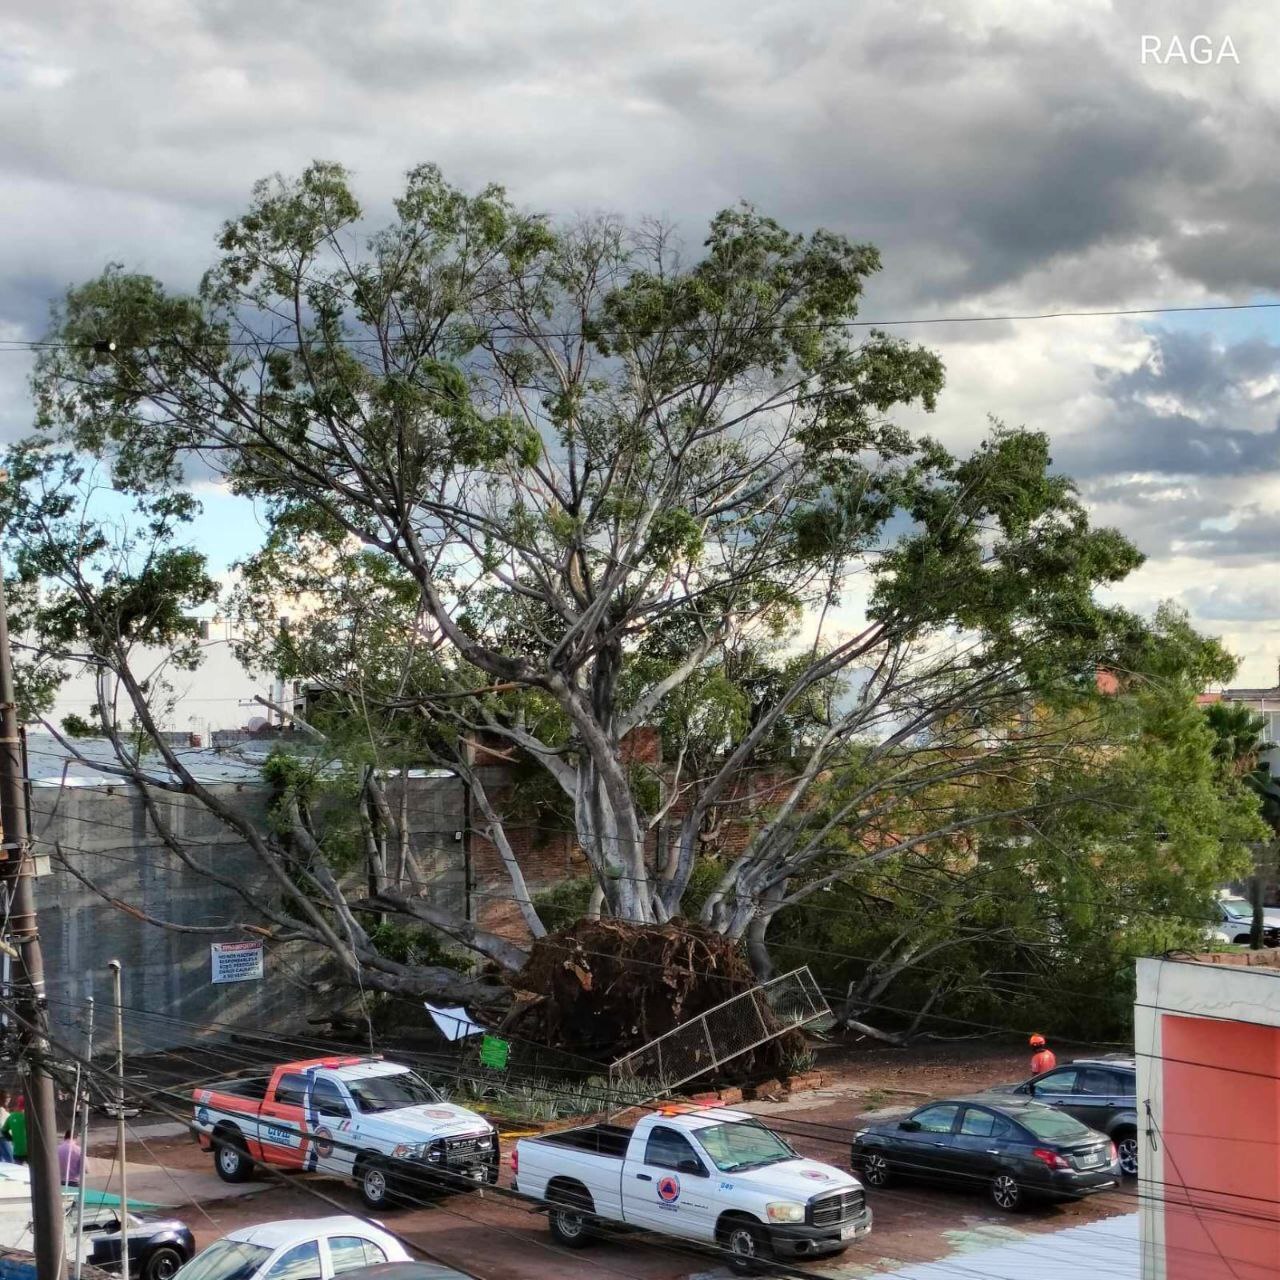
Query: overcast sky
point(1006, 157)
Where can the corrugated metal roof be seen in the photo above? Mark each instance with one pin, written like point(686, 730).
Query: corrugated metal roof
point(1104, 1250)
point(52, 765)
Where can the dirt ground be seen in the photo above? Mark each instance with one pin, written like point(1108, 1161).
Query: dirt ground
point(498, 1238)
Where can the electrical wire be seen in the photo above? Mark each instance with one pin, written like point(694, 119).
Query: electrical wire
point(154, 1095)
point(264, 343)
point(793, 1126)
point(1175, 1205)
point(125, 795)
point(959, 1270)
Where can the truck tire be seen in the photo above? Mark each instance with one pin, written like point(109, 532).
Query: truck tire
point(375, 1183)
point(746, 1242)
point(568, 1214)
point(230, 1158)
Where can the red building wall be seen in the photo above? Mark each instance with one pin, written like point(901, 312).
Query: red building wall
point(1220, 1149)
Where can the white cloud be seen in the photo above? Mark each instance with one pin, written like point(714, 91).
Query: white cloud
point(1006, 157)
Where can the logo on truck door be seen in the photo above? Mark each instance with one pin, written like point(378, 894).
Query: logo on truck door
point(669, 1189)
point(322, 1140)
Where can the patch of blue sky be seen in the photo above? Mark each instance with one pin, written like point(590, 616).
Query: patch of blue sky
point(226, 529)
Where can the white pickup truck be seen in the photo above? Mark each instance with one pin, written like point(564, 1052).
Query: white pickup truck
point(376, 1122)
point(714, 1176)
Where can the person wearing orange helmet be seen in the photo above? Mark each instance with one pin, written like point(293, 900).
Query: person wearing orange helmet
point(1042, 1060)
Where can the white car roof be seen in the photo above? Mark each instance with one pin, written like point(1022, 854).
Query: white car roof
point(368, 1070)
point(704, 1119)
point(291, 1231)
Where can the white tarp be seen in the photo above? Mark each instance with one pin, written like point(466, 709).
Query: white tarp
point(455, 1022)
point(1102, 1250)
point(236, 961)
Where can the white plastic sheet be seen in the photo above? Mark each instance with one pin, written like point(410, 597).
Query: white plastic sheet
point(455, 1022)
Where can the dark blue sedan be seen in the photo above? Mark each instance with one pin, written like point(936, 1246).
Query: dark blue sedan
point(1013, 1149)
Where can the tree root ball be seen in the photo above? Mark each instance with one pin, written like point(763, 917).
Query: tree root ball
point(602, 988)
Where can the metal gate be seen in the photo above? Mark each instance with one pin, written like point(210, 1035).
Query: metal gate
point(738, 1025)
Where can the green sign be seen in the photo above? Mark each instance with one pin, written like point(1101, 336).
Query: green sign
point(494, 1053)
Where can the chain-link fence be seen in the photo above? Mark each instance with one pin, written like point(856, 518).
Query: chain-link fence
point(740, 1024)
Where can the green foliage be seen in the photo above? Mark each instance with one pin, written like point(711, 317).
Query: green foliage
point(413, 945)
point(1037, 919)
point(563, 904)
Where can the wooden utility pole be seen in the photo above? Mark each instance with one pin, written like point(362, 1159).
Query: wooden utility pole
point(17, 873)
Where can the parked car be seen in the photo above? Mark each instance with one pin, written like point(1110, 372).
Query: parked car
point(1234, 921)
point(157, 1246)
point(376, 1122)
point(710, 1175)
point(1015, 1148)
point(1099, 1092)
point(296, 1249)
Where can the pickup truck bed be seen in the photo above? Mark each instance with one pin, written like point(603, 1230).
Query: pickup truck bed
point(601, 1139)
point(254, 1090)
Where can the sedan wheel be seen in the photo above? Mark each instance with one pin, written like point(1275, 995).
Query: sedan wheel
point(163, 1263)
point(1006, 1193)
point(875, 1169)
point(1127, 1150)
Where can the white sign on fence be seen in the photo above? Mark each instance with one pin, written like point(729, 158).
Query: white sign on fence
point(236, 961)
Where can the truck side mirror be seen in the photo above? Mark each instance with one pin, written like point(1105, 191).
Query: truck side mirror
point(692, 1167)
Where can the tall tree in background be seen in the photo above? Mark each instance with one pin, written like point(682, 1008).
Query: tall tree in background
point(545, 484)
point(1046, 909)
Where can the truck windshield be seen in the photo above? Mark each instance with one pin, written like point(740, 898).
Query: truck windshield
point(391, 1093)
point(226, 1260)
point(743, 1144)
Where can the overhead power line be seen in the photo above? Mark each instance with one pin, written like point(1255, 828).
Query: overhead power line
point(274, 344)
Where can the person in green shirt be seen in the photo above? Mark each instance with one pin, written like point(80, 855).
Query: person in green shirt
point(15, 1129)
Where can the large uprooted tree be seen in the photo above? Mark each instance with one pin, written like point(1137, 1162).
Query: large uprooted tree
point(541, 485)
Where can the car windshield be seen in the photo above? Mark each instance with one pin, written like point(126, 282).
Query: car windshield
point(391, 1093)
point(226, 1260)
point(1054, 1126)
point(743, 1144)
point(1238, 908)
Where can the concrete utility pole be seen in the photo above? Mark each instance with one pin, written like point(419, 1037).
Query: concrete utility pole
point(17, 872)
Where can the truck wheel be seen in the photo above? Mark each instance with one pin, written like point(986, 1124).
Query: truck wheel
point(747, 1245)
point(230, 1159)
point(162, 1263)
point(375, 1184)
point(568, 1218)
